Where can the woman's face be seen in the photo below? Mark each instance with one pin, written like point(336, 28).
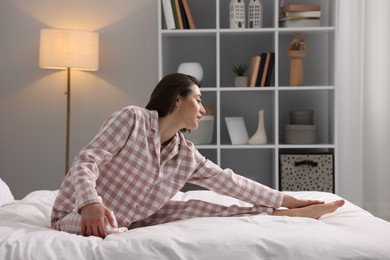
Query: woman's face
point(190, 109)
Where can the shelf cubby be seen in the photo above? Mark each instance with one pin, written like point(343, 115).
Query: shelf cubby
point(217, 48)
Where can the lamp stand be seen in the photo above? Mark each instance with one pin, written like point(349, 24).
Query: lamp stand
point(67, 121)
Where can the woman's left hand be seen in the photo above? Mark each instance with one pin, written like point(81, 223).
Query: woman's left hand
point(291, 202)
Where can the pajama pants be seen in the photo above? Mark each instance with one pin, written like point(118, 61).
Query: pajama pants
point(178, 210)
point(171, 211)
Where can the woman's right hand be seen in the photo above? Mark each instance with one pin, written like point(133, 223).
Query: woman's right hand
point(92, 219)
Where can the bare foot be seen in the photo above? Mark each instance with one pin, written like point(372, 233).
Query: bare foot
point(312, 211)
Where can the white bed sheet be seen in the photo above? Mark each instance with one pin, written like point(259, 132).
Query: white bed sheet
point(348, 233)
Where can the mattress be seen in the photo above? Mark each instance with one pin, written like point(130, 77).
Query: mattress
point(348, 233)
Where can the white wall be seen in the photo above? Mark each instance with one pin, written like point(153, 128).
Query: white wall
point(363, 90)
point(349, 80)
point(32, 100)
point(376, 138)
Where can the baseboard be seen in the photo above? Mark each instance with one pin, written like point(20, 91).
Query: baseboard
point(380, 210)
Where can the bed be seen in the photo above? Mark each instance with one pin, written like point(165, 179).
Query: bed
point(348, 233)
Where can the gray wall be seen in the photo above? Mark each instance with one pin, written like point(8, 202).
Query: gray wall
point(32, 100)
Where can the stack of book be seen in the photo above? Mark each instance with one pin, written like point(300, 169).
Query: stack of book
point(178, 14)
point(261, 70)
point(300, 16)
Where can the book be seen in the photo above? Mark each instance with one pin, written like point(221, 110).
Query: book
point(272, 78)
point(287, 18)
point(188, 12)
point(300, 23)
point(316, 14)
point(265, 70)
point(300, 8)
point(271, 69)
point(253, 70)
point(183, 15)
point(174, 14)
point(168, 14)
point(261, 68)
point(178, 15)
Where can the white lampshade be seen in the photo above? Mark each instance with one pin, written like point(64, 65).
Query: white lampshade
point(61, 49)
point(191, 68)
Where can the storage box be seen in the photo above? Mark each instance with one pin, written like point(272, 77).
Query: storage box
point(301, 117)
point(306, 172)
point(300, 134)
point(204, 133)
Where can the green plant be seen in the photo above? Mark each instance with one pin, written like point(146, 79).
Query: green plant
point(240, 70)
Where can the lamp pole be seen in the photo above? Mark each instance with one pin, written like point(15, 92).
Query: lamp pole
point(67, 121)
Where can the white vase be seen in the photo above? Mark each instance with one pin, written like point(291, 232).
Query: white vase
point(260, 137)
point(191, 68)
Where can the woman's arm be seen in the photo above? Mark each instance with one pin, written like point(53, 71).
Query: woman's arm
point(226, 182)
point(104, 146)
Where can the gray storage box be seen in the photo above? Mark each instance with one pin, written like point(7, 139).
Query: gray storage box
point(301, 117)
point(204, 133)
point(306, 172)
point(300, 134)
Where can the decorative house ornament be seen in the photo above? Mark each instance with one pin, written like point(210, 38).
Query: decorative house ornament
point(237, 14)
point(191, 68)
point(255, 14)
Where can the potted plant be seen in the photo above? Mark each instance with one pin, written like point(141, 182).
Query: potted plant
point(240, 80)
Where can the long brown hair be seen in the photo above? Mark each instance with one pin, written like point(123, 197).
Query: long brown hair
point(163, 97)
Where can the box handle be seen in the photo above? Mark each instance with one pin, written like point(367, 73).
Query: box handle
point(306, 162)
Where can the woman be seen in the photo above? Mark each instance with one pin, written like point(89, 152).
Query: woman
point(140, 159)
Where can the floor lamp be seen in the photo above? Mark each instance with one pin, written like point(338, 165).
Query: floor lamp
point(68, 49)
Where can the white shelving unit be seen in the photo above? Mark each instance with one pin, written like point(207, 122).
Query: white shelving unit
point(218, 48)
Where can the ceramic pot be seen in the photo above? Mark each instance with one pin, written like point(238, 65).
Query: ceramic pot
point(241, 81)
